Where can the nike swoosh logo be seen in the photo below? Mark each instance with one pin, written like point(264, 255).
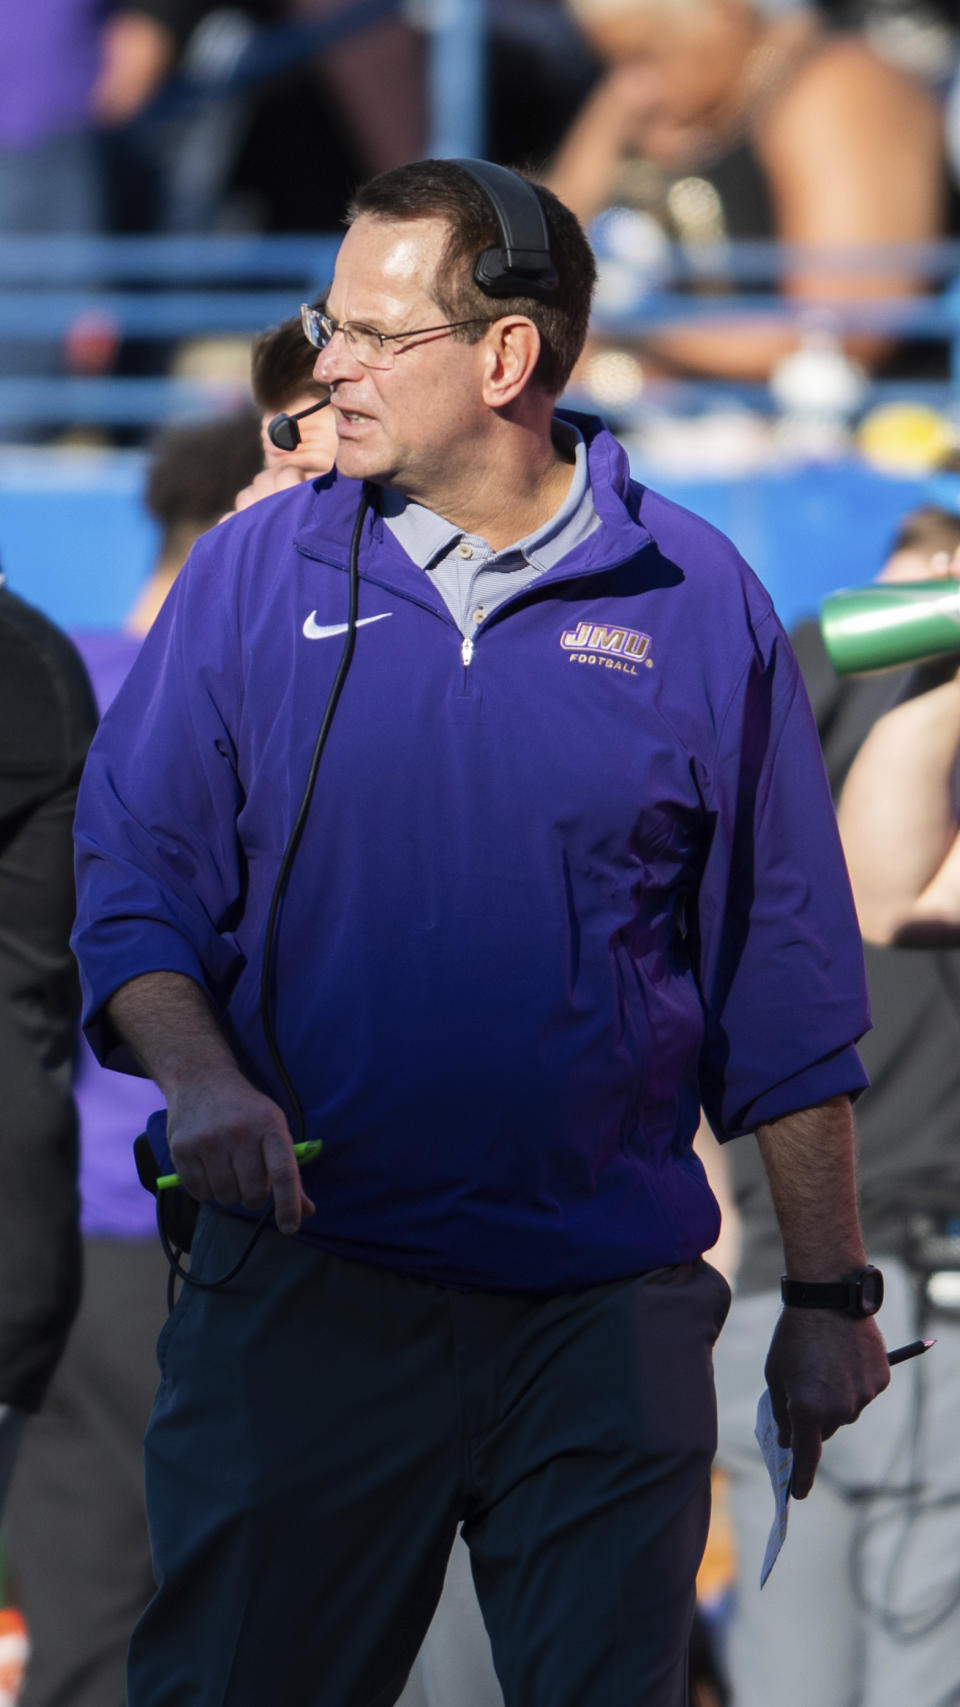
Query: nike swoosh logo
point(314, 631)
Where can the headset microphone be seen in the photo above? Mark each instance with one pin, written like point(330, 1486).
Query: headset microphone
point(283, 430)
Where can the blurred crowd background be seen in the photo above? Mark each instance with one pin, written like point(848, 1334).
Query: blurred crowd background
point(772, 187)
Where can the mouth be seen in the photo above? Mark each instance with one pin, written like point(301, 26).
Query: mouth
point(345, 416)
point(351, 422)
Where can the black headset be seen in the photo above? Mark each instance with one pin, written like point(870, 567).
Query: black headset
point(521, 265)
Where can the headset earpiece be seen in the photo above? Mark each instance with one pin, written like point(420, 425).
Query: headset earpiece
point(522, 265)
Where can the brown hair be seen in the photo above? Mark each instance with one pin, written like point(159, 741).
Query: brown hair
point(928, 530)
point(281, 367)
point(195, 471)
point(439, 189)
point(931, 527)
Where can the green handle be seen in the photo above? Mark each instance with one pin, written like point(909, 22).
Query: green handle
point(304, 1153)
point(879, 627)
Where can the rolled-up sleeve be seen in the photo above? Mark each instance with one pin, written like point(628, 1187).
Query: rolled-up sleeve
point(780, 952)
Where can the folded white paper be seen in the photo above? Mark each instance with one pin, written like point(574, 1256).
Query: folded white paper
point(779, 1462)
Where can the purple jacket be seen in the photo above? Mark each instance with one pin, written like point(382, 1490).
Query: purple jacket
point(546, 901)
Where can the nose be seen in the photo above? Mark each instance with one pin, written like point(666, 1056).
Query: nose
point(336, 362)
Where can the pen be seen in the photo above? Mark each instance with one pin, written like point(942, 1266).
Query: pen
point(914, 1349)
point(304, 1153)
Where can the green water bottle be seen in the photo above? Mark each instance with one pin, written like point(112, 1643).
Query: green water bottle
point(879, 627)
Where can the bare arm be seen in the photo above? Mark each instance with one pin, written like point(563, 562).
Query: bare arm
point(612, 120)
point(823, 1368)
point(852, 153)
point(899, 820)
point(228, 1141)
point(853, 157)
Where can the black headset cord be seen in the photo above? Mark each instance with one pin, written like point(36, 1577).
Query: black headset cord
point(271, 933)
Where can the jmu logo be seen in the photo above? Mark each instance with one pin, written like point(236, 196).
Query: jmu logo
point(611, 648)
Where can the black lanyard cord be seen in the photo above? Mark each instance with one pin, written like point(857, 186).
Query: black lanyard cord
point(271, 933)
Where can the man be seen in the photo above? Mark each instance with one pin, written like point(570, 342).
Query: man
point(454, 1662)
point(871, 1562)
point(569, 865)
point(47, 717)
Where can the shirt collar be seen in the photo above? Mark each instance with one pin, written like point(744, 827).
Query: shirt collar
point(426, 537)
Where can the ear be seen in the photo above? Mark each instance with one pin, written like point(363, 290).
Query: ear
point(511, 352)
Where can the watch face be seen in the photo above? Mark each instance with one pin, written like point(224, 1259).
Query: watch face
point(871, 1291)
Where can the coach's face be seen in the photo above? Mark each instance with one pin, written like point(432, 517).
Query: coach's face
point(411, 416)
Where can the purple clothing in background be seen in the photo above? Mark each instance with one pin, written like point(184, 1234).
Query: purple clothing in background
point(113, 1107)
point(50, 58)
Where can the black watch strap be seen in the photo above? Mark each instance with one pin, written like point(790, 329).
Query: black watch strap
point(858, 1294)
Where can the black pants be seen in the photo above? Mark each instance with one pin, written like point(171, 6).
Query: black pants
point(321, 1427)
point(76, 1511)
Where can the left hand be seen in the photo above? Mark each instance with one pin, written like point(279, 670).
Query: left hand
point(822, 1369)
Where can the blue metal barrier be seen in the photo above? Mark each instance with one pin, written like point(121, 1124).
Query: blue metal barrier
point(75, 540)
point(116, 402)
point(55, 262)
point(457, 78)
point(169, 289)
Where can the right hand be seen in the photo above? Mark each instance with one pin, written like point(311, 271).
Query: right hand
point(822, 1370)
point(642, 122)
point(232, 1144)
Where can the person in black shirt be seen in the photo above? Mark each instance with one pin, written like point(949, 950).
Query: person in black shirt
point(47, 718)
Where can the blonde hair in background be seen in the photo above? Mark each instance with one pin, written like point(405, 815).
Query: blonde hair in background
point(598, 11)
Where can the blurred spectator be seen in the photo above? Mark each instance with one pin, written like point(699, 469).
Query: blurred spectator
point(331, 116)
point(168, 160)
point(900, 809)
point(282, 382)
point(863, 1606)
point(375, 81)
point(77, 1524)
point(539, 71)
point(749, 118)
point(47, 717)
point(918, 35)
point(68, 66)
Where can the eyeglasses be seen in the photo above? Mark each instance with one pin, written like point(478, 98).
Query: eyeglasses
point(368, 346)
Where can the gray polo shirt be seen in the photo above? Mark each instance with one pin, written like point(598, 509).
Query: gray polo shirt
point(471, 577)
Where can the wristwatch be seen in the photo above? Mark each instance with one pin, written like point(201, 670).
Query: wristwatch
point(858, 1294)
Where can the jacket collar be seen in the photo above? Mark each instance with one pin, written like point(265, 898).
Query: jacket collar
point(327, 531)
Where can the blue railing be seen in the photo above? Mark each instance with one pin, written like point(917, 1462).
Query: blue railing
point(174, 289)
